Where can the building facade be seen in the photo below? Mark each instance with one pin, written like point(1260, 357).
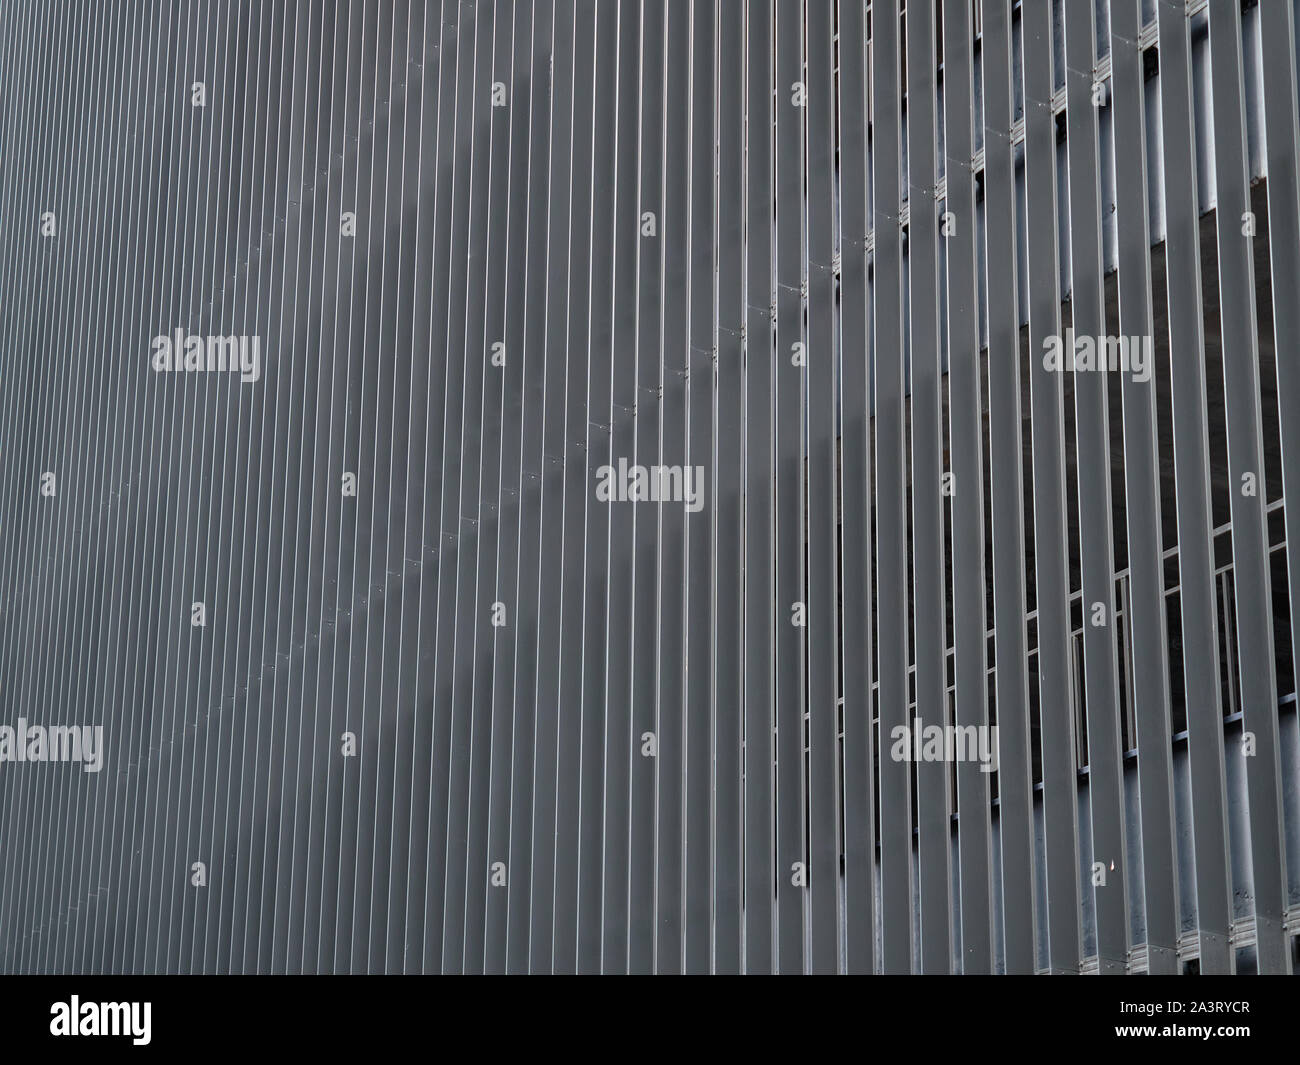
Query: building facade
point(649, 486)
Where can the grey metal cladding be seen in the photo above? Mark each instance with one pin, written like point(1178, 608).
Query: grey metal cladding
point(649, 486)
point(1149, 624)
point(1199, 623)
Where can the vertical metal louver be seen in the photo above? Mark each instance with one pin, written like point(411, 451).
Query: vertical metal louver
point(649, 486)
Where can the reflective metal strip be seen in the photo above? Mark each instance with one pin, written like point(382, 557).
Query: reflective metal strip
point(671, 680)
point(425, 412)
point(1279, 75)
point(823, 606)
point(544, 931)
point(1192, 483)
point(285, 690)
point(458, 548)
point(344, 146)
point(1251, 577)
point(966, 497)
point(1096, 543)
point(1051, 547)
point(464, 521)
point(762, 612)
point(204, 579)
point(127, 861)
point(347, 165)
point(494, 64)
point(350, 675)
point(701, 620)
point(598, 451)
point(505, 588)
point(891, 496)
point(387, 561)
point(788, 435)
point(239, 658)
point(924, 374)
point(855, 492)
point(623, 730)
point(177, 306)
point(728, 477)
point(369, 911)
point(480, 470)
point(1148, 626)
point(138, 735)
point(648, 409)
point(520, 942)
point(574, 359)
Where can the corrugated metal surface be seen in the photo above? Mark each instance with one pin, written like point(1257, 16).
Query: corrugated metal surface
point(383, 679)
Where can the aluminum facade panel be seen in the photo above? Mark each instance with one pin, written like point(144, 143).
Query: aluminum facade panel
point(564, 486)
